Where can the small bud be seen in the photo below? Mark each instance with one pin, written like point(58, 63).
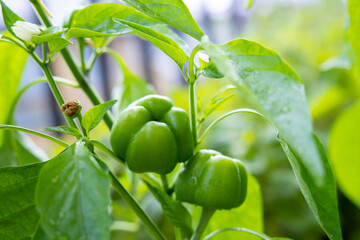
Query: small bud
point(71, 108)
point(25, 30)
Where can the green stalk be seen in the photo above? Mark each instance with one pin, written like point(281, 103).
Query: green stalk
point(263, 236)
point(22, 129)
point(165, 183)
point(89, 91)
point(193, 111)
point(136, 208)
point(213, 124)
point(192, 97)
point(24, 89)
point(55, 90)
point(206, 214)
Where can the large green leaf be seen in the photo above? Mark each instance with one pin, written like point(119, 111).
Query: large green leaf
point(131, 87)
point(72, 196)
point(12, 62)
point(275, 89)
point(248, 215)
point(322, 199)
point(19, 218)
point(164, 43)
point(175, 13)
point(19, 149)
point(96, 20)
point(344, 152)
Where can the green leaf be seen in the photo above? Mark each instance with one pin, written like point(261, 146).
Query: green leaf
point(266, 81)
point(96, 20)
point(94, 115)
point(175, 13)
point(208, 69)
point(164, 43)
point(65, 129)
point(322, 199)
point(49, 34)
point(219, 98)
point(354, 29)
point(248, 215)
point(248, 4)
point(344, 152)
point(19, 218)
point(12, 62)
point(72, 196)
point(10, 18)
point(131, 87)
point(19, 149)
point(174, 211)
point(56, 44)
point(174, 36)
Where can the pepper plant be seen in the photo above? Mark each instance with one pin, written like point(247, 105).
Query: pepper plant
point(68, 196)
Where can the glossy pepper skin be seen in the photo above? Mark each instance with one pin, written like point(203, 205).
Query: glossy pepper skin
point(212, 180)
point(152, 135)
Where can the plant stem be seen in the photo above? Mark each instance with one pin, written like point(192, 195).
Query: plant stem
point(263, 236)
point(177, 233)
point(165, 183)
point(193, 111)
point(213, 124)
point(81, 42)
point(24, 89)
point(55, 90)
point(89, 91)
point(79, 117)
point(192, 99)
point(136, 208)
point(206, 214)
point(22, 129)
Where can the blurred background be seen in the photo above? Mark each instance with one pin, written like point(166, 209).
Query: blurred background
point(309, 34)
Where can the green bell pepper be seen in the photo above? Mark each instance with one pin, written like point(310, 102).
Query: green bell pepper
point(152, 135)
point(212, 180)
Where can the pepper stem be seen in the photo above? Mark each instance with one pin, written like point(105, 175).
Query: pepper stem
point(206, 214)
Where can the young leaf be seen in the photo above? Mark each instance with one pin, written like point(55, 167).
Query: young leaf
point(94, 115)
point(353, 7)
point(19, 218)
point(96, 20)
point(208, 69)
point(322, 199)
point(72, 196)
point(10, 18)
point(56, 44)
point(65, 129)
point(19, 149)
point(131, 87)
point(275, 89)
point(219, 98)
point(248, 215)
point(344, 152)
point(175, 13)
point(164, 43)
point(174, 211)
point(248, 4)
point(49, 34)
point(12, 62)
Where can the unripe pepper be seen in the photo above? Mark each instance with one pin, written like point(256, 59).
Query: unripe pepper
point(212, 180)
point(152, 135)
